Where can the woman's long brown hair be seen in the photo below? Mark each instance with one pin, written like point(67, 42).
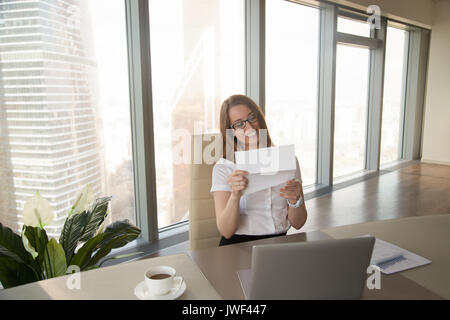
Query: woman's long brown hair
point(225, 123)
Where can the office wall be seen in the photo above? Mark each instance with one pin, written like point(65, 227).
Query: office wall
point(418, 12)
point(436, 133)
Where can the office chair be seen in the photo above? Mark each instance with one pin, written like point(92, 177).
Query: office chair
point(203, 232)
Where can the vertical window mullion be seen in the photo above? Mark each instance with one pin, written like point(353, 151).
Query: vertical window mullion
point(415, 92)
point(326, 99)
point(142, 117)
point(403, 103)
point(375, 103)
point(255, 50)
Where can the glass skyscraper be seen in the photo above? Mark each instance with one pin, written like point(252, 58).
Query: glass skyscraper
point(49, 124)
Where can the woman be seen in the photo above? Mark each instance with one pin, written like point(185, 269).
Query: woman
point(258, 215)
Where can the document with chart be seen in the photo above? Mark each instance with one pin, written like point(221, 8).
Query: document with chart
point(392, 259)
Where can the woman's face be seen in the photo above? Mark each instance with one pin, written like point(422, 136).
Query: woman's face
point(246, 126)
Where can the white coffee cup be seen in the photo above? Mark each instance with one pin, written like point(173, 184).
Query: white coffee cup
point(160, 279)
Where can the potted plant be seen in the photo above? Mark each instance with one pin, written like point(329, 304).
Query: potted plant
point(83, 242)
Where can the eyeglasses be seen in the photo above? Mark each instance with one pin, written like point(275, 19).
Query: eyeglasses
point(240, 124)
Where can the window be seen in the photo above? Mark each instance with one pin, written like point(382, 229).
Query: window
point(198, 60)
point(65, 95)
point(65, 119)
point(352, 75)
point(355, 27)
point(394, 93)
point(291, 80)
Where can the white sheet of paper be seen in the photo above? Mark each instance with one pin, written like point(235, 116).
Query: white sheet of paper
point(409, 260)
point(267, 167)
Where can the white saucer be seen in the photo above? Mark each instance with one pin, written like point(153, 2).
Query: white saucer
point(141, 291)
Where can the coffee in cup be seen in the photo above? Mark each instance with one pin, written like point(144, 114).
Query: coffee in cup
point(160, 276)
point(160, 279)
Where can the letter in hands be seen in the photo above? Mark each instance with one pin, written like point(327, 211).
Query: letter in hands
point(238, 182)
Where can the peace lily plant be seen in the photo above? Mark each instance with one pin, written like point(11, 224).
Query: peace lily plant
point(83, 242)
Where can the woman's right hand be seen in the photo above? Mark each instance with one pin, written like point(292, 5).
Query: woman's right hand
point(238, 182)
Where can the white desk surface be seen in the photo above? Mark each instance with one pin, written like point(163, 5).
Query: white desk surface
point(427, 236)
point(116, 282)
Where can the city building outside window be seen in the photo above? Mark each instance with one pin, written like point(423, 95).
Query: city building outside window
point(291, 80)
point(64, 118)
point(198, 60)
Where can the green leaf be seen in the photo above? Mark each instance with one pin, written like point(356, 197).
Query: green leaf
point(72, 232)
point(11, 245)
point(6, 253)
point(115, 236)
point(13, 273)
point(16, 264)
point(95, 217)
point(55, 259)
point(108, 245)
point(81, 227)
point(38, 239)
point(122, 228)
point(82, 257)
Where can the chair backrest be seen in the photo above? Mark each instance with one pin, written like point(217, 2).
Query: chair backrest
point(203, 232)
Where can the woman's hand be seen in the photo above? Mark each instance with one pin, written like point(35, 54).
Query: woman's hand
point(238, 182)
point(292, 191)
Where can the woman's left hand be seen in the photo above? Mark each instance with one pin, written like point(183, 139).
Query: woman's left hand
point(292, 191)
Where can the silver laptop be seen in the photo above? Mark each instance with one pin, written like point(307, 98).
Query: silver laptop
point(325, 269)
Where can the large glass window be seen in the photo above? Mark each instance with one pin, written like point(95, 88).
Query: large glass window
point(394, 93)
point(352, 77)
point(64, 115)
point(198, 60)
point(292, 44)
point(352, 26)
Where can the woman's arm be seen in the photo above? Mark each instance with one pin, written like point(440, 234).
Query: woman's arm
point(227, 212)
point(292, 192)
point(226, 204)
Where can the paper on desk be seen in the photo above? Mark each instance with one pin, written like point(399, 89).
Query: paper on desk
point(267, 167)
point(382, 250)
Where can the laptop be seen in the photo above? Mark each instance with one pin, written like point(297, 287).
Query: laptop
point(317, 270)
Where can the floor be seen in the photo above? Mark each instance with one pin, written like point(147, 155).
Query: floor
point(415, 190)
point(419, 189)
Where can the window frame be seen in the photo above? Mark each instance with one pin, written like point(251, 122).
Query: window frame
point(404, 87)
point(138, 35)
point(141, 110)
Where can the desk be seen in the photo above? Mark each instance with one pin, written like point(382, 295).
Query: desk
point(115, 282)
point(219, 265)
point(426, 236)
point(211, 273)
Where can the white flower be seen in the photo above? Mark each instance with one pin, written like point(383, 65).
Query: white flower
point(37, 212)
point(83, 200)
point(27, 245)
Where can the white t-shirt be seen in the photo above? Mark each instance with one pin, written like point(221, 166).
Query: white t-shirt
point(261, 213)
